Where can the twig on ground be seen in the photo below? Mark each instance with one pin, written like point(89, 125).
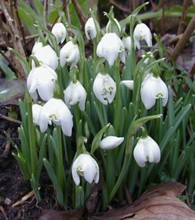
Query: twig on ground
point(24, 198)
point(79, 12)
point(183, 40)
point(16, 39)
point(10, 119)
point(3, 212)
point(183, 17)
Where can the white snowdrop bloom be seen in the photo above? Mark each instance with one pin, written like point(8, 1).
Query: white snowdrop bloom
point(37, 46)
point(59, 31)
point(110, 47)
point(113, 27)
point(56, 111)
point(142, 32)
point(153, 88)
point(45, 55)
point(128, 83)
point(36, 109)
point(41, 81)
point(111, 142)
point(90, 29)
point(127, 43)
point(104, 88)
point(146, 150)
point(69, 54)
point(75, 93)
point(86, 166)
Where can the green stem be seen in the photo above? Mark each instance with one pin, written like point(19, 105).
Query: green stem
point(60, 171)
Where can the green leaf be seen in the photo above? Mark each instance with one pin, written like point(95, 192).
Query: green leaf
point(9, 74)
point(53, 177)
point(97, 139)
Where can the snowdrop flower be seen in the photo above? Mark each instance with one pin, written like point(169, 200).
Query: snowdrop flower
point(127, 43)
point(75, 93)
point(145, 150)
point(69, 54)
point(114, 27)
point(56, 111)
point(111, 142)
point(85, 166)
point(104, 88)
point(36, 109)
point(37, 46)
point(41, 81)
point(128, 83)
point(142, 32)
point(59, 31)
point(45, 55)
point(153, 88)
point(110, 47)
point(90, 29)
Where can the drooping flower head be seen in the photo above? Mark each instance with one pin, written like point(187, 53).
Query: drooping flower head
point(85, 166)
point(59, 31)
point(110, 47)
point(90, 29)
point(41, 81)
point(142, 32)
point(56, 111)
point(153, 88)
point(45, 55)
point(75, 93)
point(146, 150)
point(104, 88)
point(69, 54)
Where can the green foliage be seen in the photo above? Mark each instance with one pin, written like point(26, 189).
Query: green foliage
point(172, 127)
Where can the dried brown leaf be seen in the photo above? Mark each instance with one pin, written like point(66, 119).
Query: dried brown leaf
point(160, 202)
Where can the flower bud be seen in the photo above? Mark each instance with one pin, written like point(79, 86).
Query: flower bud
point(104, 88)
point(146, 150)
point(111, 142)
point(85, 166)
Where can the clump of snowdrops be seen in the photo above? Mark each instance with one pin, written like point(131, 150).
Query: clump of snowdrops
point(107, 120)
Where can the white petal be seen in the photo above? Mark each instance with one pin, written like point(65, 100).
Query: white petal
point(111, 142)
point(69, 54)
point(88, 166)
point(46, 55)
point(139, 153)
point(128, 83)
point(75, 175)
point(104, 88)
point(90, 29)
point(59, 32)
point(127, 43)
point(37, 46)
point(110, 51)
point(36, 109)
